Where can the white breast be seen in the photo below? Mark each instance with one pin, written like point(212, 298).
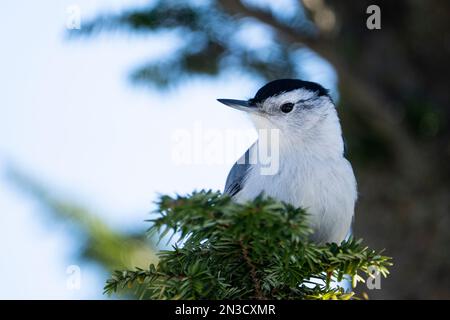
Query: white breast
point(325, 188)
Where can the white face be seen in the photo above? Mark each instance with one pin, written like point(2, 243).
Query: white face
point(297, 110)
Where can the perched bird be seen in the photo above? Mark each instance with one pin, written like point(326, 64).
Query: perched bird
point(312, 171)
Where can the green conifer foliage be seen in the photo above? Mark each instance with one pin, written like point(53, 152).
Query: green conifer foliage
point(256, 250)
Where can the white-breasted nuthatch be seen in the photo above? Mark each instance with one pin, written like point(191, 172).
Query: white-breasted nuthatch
point(312, 172)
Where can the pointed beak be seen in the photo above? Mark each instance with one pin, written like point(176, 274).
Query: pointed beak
point(242, 105)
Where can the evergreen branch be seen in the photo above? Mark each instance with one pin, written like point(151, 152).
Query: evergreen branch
point(252, 267)
point(259, 249)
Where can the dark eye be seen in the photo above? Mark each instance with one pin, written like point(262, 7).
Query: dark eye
point(287, 107)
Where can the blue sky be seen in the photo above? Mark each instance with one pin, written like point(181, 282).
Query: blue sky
point(70, 118)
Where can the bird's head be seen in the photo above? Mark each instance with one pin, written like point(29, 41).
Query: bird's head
point(290, 105)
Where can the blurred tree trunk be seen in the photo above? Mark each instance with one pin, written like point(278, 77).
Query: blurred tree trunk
point(406, 62)
point(394, 82)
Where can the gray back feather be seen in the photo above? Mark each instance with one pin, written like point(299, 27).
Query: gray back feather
point(237, 174)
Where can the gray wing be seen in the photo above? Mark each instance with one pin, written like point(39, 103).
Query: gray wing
point(237, 175)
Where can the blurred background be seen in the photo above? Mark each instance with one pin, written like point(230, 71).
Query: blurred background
point(95, 93)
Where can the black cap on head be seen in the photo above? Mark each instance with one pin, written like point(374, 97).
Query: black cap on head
point(276, 87)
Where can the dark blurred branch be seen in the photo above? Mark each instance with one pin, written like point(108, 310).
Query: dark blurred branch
point(377, 110)
point(236, 7)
